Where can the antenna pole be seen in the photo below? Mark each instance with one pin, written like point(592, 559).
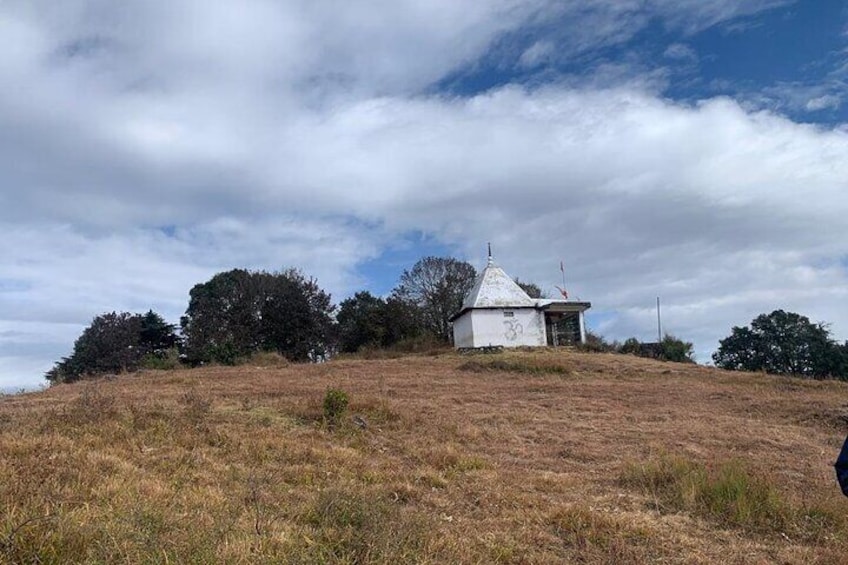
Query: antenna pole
point(659, 322)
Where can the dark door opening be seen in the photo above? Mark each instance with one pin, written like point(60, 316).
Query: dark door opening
point(562, 328)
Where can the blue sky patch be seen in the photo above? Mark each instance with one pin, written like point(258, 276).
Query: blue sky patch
point(792, 59)
point(384, 271)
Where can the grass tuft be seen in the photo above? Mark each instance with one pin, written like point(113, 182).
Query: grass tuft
point(732, 496)
point(349, 526)
point(264, 359)
point(197, 406)
point(597, 537)
point(93, 405)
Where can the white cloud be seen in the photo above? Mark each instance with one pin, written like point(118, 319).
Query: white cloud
point(722, 212)
point(824, 102)
point(577, 27)
point(798, 96)
point(680, 52)
point(147, 146)
point(57, 278)
point(537, 54)
point(694, 15)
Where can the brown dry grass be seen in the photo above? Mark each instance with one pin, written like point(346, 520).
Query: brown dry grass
point(523, 457)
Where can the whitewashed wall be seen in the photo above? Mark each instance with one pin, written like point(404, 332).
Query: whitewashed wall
point(526, 327)
point(462, 336)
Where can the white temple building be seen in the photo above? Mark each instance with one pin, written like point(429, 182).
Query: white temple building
point(497, 312)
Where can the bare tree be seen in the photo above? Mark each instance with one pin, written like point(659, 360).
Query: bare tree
point(437, 287)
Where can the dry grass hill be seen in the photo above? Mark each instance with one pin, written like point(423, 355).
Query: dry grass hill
point(521, 457)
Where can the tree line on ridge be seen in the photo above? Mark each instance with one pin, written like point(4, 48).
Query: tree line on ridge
point(238, 313)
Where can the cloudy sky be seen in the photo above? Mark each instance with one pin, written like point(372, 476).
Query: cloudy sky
point(692, 150)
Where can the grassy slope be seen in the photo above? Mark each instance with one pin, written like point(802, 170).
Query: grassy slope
point(536, 457)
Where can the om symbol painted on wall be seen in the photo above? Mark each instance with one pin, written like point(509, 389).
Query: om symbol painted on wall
point(514, 330)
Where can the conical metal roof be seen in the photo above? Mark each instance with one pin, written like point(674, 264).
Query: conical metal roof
point(494, 288)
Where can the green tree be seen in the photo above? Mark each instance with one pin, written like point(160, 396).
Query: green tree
point(222, 320)
point(677, 350)
point(782, 343)
point(239, 312)
point(597, 343)
point(156, 335)
point(362, 321)
point(532, 289)
point(114, 343)
point(403, 321)
point(436, 286)
point(367, 320)
point(669, 349)
point(296, 315)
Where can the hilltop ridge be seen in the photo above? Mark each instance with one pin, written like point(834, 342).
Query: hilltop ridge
point(533, 456)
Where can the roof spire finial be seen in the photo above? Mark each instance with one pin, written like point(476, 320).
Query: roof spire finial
point(490, 261)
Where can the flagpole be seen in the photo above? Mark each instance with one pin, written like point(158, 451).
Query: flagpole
point(659, 322)
point(562, 270)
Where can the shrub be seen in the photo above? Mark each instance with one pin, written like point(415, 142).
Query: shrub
point(424, 343)
point(167, 360)
point(631, 346)
point(597, 344)
point(677, 350)
point(669, 349)
point(335, 404)
point(225, 354)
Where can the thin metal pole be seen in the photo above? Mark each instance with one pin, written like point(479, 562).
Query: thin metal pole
point(659, 322)
point(562, 269)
